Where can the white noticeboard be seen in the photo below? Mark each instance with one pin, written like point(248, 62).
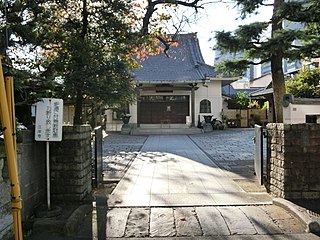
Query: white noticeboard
point(49, 117)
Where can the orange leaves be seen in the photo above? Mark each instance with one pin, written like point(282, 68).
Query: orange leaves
point(153, 46)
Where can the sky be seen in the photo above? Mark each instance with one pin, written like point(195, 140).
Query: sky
point(217, 17)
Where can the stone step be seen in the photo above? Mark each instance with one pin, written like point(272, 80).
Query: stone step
point(165, 131)
point(241, 222)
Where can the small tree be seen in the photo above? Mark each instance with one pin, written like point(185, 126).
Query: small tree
point(305, 84)
point(254, 104)
point(242, 99)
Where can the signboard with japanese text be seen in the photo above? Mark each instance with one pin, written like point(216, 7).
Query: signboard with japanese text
point(49, 117)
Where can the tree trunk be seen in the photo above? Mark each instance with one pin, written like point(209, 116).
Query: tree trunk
point(276, 68)
point(77, 120)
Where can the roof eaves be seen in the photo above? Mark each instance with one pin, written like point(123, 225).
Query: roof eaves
point(263, 92)
point(170, 81)
point(225, 78)
point(196, 54)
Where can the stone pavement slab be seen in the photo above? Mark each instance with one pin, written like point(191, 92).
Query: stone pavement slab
point(186, 222)
point(138, 223)
point(162, 222)
point(212, 222)
point(261, 220)
point(117, 221)
point(237, 221)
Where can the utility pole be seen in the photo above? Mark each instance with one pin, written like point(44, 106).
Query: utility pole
point(7, 116)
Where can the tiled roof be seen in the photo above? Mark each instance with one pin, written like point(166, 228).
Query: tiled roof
point(262, 92)
point(228, 90)
point(185, 64)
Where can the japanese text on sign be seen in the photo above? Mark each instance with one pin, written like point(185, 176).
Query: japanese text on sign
point(49, 115)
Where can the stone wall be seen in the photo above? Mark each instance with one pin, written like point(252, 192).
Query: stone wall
point(294, 165)
point(32, 173)
point(70, 165)
point(32, 178)
point(70, 162)
point(6, 222)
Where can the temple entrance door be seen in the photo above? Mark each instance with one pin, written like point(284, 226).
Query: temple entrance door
point(164, 109)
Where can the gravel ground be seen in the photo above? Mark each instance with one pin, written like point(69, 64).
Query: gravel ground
point(118, 153)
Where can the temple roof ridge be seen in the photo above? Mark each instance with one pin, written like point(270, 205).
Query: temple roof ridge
point(185, 64)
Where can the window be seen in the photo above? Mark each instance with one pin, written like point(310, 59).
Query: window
point(205, 106)
point(120, 111)
point(312, 118)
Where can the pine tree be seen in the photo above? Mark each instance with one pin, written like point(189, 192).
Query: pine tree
point(281, 44)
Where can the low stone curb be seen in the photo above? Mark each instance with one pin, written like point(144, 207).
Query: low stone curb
point(312, 223)
point(48, 226)
point(233, 237)
point(67, 227)
point(72, 224)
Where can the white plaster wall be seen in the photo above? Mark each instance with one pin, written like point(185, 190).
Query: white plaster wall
point(112, 124)
point(133, 113)
point(296, 113)
point(214, 95)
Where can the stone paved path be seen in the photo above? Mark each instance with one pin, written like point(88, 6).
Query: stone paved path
point(195, 186)
point(174, 189)
point(201, 221)
point(173, 171)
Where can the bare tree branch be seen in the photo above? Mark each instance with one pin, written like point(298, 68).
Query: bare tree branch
point(167, 43)
point(151, 8)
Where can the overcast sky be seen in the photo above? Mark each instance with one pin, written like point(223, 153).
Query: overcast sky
point(217, 17)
